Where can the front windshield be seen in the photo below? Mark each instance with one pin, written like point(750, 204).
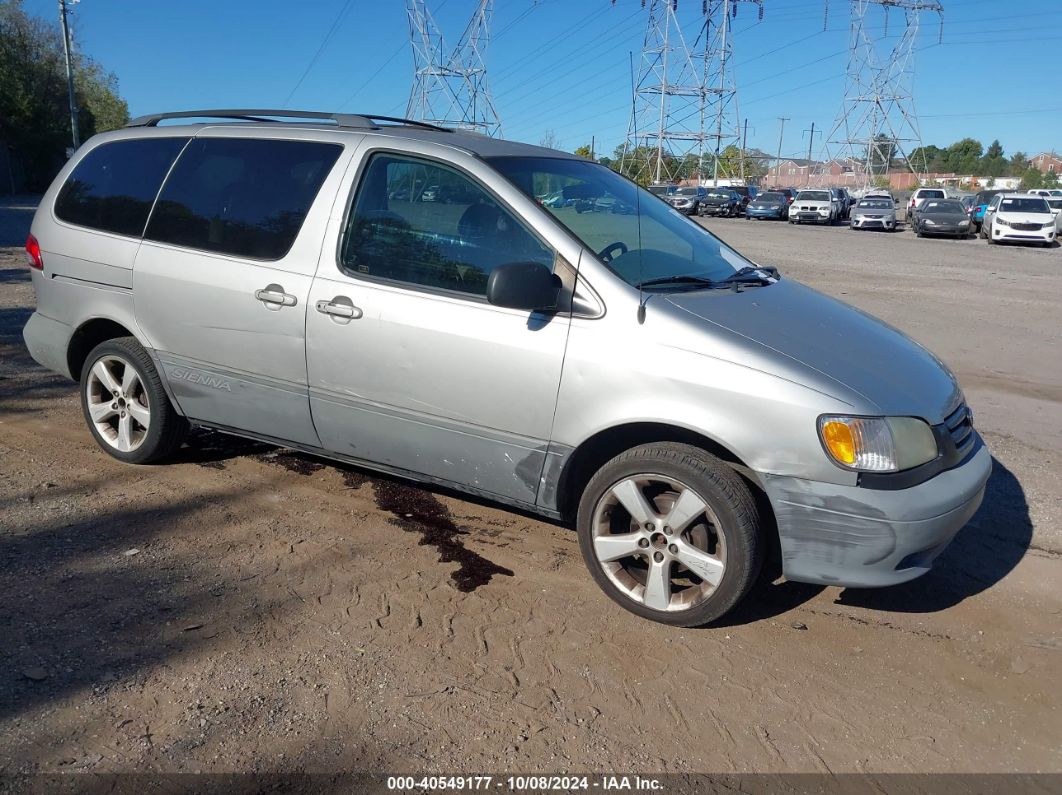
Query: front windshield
point(770, 198)
point(686, 191)
point(813, 196)
point(874, 204)
point(649, 241)
point(1030, 205)
point(944, 207)
point(716, 194)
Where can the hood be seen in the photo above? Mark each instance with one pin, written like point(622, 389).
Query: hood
point(1026, 218)
point(816, 203)
point(716, 200)
point(850, 348)
point(946, 218)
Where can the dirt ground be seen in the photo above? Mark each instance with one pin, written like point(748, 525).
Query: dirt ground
point(249, 609)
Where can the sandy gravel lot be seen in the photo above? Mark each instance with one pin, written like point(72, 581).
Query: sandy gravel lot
point(249, 609)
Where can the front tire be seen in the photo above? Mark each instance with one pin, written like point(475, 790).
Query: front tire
point(125, 405)
point(670, 533)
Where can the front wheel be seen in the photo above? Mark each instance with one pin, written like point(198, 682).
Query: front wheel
point(125, 404)
point(670, 533)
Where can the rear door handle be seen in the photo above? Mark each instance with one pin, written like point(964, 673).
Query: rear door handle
point(339, 307)
point(274, 297)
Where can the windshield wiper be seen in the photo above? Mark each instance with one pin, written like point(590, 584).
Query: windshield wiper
point(758, 274)
point(677, 279)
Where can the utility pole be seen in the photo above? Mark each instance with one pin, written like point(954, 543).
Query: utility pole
point(450, 86)
point(593, 151)
point(744, 141)
point(76, 137)
point(877, 116)
point(778, 159)
point(811, 142)
point(684, 102)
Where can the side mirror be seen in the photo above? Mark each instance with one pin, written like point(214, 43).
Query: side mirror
point(524, 285)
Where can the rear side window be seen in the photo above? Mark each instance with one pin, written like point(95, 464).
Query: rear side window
point(113, 186)
point(243, 197)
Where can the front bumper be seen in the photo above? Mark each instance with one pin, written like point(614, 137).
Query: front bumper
point(48, 341)
point(716, 209)
point(951, 230)
point(1023, 236)
point(859, 537)
point(763, 213)
point(873, 223)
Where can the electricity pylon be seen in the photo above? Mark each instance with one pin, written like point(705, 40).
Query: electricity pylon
point(450, 87)
point(684, 103)
point(877, 123)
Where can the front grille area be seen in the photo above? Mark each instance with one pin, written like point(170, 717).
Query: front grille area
point(1026, 227)
point(960, 426)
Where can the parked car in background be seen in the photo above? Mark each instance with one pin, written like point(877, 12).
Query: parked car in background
point(942, 217)
point(745, 195)
point(981, 201)
point(879, 193)
point(768, 205)
point(813, 207)
point(874, 212)
point(1047, 192)
point(789, 193)
point(1056, 207)
point(920, 196)
point(687, 199)
point(786, 420)
point(1019, 218)
point(662, 189)
point(722, 202)
point(844, 202)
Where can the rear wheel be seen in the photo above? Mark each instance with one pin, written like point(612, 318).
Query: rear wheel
point(125, 405)
point(670, 533)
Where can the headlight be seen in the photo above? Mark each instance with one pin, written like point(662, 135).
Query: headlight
point(1048, 226)
point(877, 444)
point(1001, 222)
point(964, 222)
point(929, 222)
point(824, 210)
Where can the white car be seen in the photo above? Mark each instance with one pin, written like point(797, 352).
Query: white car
point(1019, 218)
point(813, 207)
point(921, 195)
point(1047, 193)
point(1055, 203)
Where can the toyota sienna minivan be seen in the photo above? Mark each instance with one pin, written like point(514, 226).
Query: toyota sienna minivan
point(287, 277)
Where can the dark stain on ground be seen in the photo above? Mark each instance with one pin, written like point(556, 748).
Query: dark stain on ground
point(354, 479)
point(418, 511)
point(213, 450)
point(291, 461)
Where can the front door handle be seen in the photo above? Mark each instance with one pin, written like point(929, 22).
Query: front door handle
point(340, 308)
point(274, 297)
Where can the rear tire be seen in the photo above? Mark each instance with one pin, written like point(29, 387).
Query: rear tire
point(125, 405)
point(640, 561)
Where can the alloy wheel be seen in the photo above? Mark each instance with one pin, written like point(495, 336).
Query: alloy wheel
point(659, 542)
point(118, 405)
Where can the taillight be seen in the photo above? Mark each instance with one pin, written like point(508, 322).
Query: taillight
point(33, 251)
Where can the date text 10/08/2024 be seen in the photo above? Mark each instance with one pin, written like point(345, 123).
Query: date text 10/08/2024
point(524, 783)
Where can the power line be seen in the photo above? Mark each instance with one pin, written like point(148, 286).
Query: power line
point(324, 43)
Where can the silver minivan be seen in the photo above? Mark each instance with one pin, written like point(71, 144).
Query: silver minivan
point(402, 297)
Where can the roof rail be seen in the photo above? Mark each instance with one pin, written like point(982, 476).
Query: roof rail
point(345, 120)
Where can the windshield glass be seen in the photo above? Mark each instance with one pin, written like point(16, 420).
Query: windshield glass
point(874, 204)
point(715, 194)
point(770, 198)
point(931, 194)
point(1055, 204)
point(813, 196)
point(1030, 205)
point(935, 206)
point(686, 191)
point(659, 241)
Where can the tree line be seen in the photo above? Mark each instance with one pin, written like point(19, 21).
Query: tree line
point(34, 111)
point(968, 156)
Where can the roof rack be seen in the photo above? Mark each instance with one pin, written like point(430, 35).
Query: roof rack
point(357, 121)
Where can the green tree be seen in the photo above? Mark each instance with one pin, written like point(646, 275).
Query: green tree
point(1018, 163)
point(585, 151)
point(964, 156)
point(881, 152)
point(1050, 180)
point(34, 113)
point(1032, 178)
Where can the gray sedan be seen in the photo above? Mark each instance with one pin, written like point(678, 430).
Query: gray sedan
point(874, 213)
point(942, 217)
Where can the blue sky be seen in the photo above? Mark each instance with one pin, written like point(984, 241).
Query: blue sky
point(563, 65)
